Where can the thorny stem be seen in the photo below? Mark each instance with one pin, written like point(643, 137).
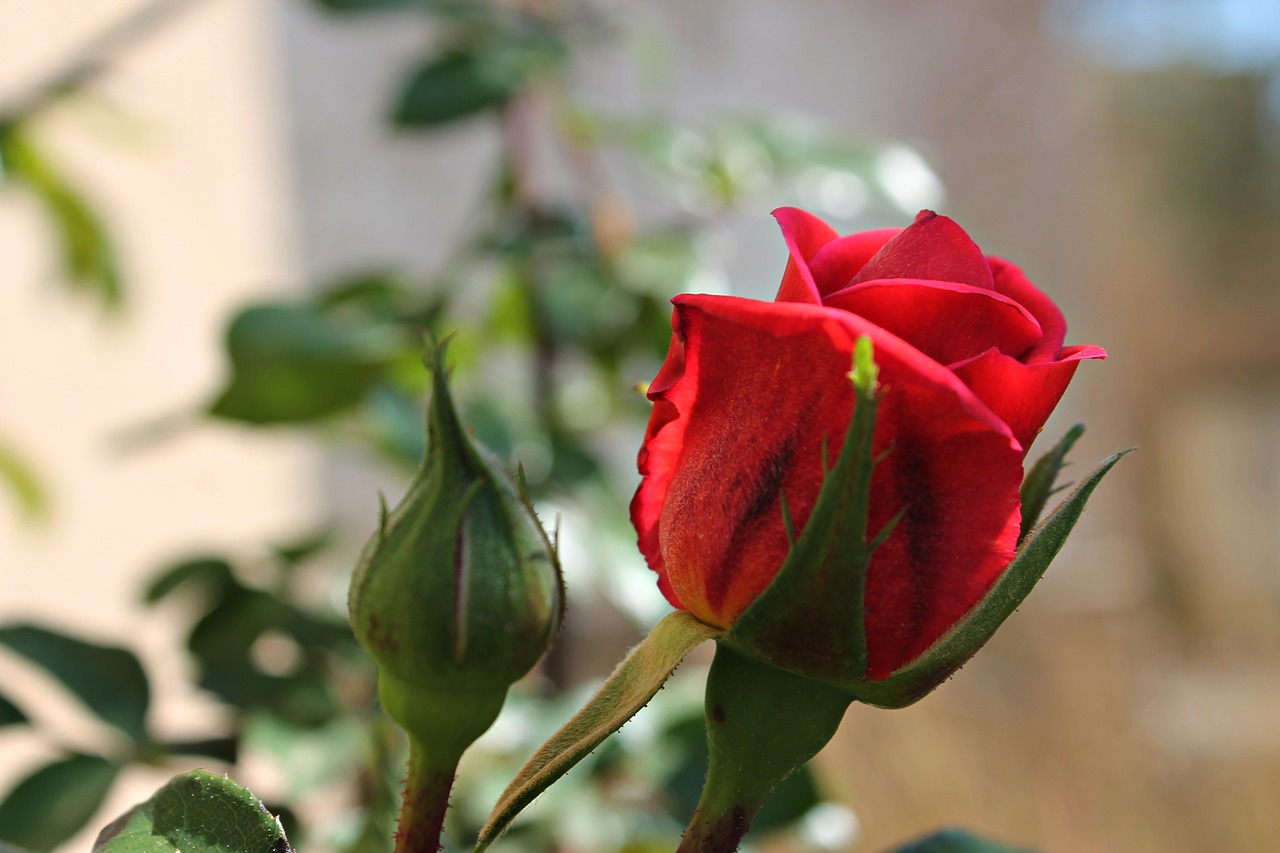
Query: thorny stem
point(426, 799)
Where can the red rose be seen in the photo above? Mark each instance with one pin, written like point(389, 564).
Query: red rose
point(755, 395)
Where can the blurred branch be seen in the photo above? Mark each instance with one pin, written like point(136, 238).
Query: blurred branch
point(92, 59)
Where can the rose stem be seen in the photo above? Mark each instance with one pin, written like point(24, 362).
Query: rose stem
point(426, 799)
point(754, 742)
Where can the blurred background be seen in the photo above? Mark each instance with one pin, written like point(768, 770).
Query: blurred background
point(221, 222)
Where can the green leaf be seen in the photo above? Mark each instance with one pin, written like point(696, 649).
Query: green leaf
point(10, 714)
point(1038, 485)
point(212, 573)
point(452, 87)
point(640, 675)
point(365, 5)
point(222, 641)
point(109, 680)
point(956, 841)
point(292, 364)
point(301, 550)
point(469, 79)
point(949, 653)
point(197, 812)
point(88, 256)
point(446, 8)
point(225, 749)
point(54, 802)
point(23, 483)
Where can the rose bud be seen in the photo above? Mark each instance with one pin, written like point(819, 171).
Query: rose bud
point(456, 596)
point(746, 479)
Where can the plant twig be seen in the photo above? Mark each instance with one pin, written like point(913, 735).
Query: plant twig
point(92, 58)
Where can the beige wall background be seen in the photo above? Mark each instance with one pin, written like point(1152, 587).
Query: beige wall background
point(240, 151)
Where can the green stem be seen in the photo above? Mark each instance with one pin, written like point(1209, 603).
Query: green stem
point(763, 724)
point(426, 799)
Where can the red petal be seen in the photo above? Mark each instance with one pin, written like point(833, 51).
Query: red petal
point(1011, 282)
point(764, 387)
point(933, 248)
point(947, 322)
point(661, 447)
point(836, 263)
point(1023, 395)
point(805, 235)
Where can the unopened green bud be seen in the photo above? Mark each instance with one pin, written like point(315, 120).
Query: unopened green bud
point(458, 593)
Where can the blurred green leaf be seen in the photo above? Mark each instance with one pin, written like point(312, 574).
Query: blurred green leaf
point(445, 8)
point(291, 364)
point(301, 550)
point(957, 841)
point(109, 680)
point(212, 573)
point(224, 749)
point(10, 714)
point(223, 640)
point(395, 425)
point(54, 802)
point(197, 812)
point(23, 483)
point(365, 5)
point(87, 253)
point(481, 75)
point(452, 87)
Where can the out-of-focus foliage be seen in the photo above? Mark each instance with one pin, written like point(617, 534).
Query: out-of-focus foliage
point(956, 841)
point(555, 305)
point(23, 483)
point(85, 249)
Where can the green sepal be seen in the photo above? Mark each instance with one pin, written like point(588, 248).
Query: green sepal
point(635, 681)
point(913, 681)
point(810, 619)
point(1040, 481)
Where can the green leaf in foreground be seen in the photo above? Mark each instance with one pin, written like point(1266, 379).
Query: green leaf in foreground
point(54, 802)
point(197, 812)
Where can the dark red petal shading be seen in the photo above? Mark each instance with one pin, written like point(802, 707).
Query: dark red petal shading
point(836, 263)
point(932, 248)
point(947, 322)
point(1022, 395)
point(752, 417)
point(805, 234)
point(957, 536)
